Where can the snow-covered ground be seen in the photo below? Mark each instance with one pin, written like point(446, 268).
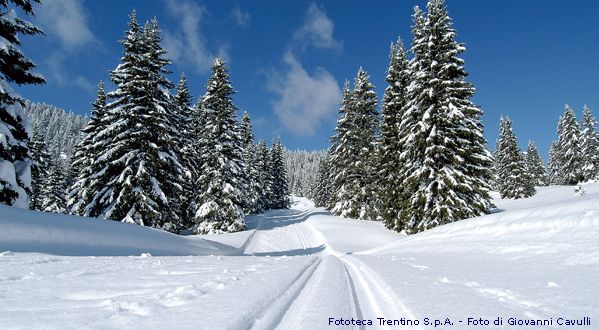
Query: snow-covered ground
point(295, 269)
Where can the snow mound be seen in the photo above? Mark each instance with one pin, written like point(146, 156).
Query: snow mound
point(59, 234)
point(555, 220)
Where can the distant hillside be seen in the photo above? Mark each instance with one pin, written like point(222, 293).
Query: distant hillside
point(61, 130)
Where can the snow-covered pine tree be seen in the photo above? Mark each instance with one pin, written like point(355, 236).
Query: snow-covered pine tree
point(15, 129)
point(140, 173)
point(534, 166)
point(355, 152)
point(54, 192)
point(252, 185)
point(79, 194)
point(447, 170)
point(322, 185)
point(279, 186)
point(264, 173)
point(187, 152)
point(39, 171)
point(553, 164)
point(589, 146)
point(222, 174)
point(339, 156)
point(568, 148)
point(515, 181)
point(389, 148)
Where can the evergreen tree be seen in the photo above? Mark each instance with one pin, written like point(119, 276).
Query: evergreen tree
point(568, 149)
point(447, 169)
point(553, 164)
point(139, 174)
point(589, 146)
point(356, 150)
point(534, 166)
point(84, 166)
point(252, 186)
point(394, 102)
point(339, 156)
point(265, 176)
point(187, 152)
point(55, 191)
point(15, 130)
point(510, 165)
point(322, 185)
point(279, 185)
point(222, 169)
point(39, 171)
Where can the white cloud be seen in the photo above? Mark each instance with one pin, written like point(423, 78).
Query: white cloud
point(62, 76)
point(317, 30)
point(66, 25)
point(241, 18)
point(66, 19)
point(302, 100)
point(188, 45)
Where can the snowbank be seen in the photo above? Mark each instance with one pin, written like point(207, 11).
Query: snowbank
point(59, 234)
point(555, 220)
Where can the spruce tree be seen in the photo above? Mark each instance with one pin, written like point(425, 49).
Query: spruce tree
point(279, 185)
point(15, 130)
point(355, 152)
point(447, 170)
point(265, 176)
point(322, 190)
point(187, 152)
point(221, 177)
point(252, 186)
point(39, 171)
point(140, 173)
point(84, 159)
point(389, 148)
point(515, 180)
point(553, 164)
point(534, 166)
point(54, 193)
point(589, 146)
point(568, 149)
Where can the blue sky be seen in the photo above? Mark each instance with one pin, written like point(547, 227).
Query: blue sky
point(526, 58)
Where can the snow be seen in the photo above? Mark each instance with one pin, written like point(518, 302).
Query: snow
point(532, 259)
point(59, 234)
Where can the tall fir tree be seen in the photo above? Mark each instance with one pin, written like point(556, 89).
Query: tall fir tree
point(322, 190)
point(516, 181)
point(389, 148)
point(39, 171)
point(356, 152)
point(140, 173)
point(589, 146)
point(187, 152)
point(279, 185)
point(15, 129)
point(54, 193)
point(222, 169)
point(84, 165)
point(553, 164)
point(265, 175)
point(339, 156)
point(252, 185)
point(534, 166)
point(447, 170)
point(568, 149)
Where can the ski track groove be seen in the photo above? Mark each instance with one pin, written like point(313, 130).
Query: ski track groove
point(273, 313)
point(374, 291)
point(354, 294)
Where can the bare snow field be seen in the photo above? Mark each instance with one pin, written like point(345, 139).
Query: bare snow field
point(536, 258)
